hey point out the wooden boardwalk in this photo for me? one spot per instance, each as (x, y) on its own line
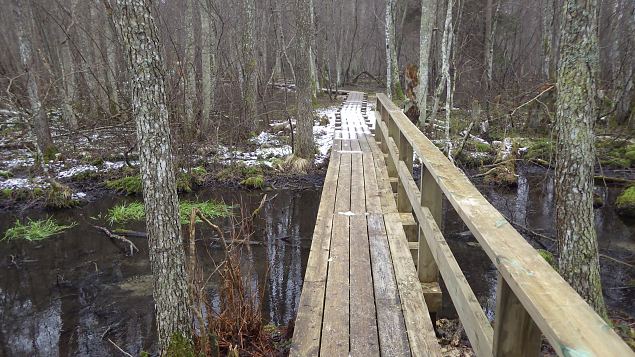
(361, 294)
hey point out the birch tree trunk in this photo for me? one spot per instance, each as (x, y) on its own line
(189, 81)
(39, 121)
(548, 65)
(303, 145)
(315, 81)
(425, 34)
(209, 65)
(576, 111)
(144, 58)
(393, 86)
(446, 48)
(251, 79)
(69, 84)
(111, 68)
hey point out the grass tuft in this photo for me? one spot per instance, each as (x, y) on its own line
(129, 185)
(35, 230)
(134, 211)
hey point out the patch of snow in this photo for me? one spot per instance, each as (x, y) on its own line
(79, 196)
(23, 183)
(77, 170)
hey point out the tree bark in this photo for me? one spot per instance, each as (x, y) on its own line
(189, 80)
(251, 79)
(39, 121)
(315, 81)
(393, 86)
(140, 38)
(303, 143)
(548, 65)
(444, 83)
(68, 78)
(576, 111)
(209, 65)
(425, 35)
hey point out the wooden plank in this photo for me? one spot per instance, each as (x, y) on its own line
(393, 337)
(553, 305)
(515, 332)
(421, 335)
(308, 323)
(363, 324)
(373, 202)
(387, 201)
(335, 325)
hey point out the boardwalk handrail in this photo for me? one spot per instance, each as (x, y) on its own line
(531, 297)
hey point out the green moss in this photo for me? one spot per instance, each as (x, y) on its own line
(129, 185)
(59, 196)
(35, 230)
(548, 256)
(540, 149)
(134, 211)
(616, 162)
(630, 155)
(86, 175)
(180, 346)
(5, 174)
(257, 181)
(7, 193)
(239, 171)
(482, 147)
(49, 154)
(625, 202)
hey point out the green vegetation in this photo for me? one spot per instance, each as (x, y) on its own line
(541, 149)
(129, 185)
(59, 196)
(615, 153)
(35, 230)
(549, 257)
(134, 211)
(240, 172)
(181, 346)
(257, 181)
(625, 203)
(5, 174)
(482, 147)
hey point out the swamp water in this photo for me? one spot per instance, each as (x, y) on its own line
(69, 294)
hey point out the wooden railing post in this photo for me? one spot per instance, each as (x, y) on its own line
(403, 202)
(391, 165)
(515, 333)
(427, 269)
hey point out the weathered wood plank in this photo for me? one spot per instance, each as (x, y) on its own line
(363, 331)
(515, 332)
(421, 336)
(336, 323)
(393, 336)
(308, 323)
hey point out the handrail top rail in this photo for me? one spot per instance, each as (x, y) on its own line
(570, 324)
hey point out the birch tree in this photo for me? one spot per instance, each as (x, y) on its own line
(189, 70)
(67, 69)
(393, 86)
(576, 111)
(548, 25)
(38, 120)
(209, 67)
(303, 146)
(425, 35)
(315, 81)
(250, 68)
(445, 81)
(144, 58)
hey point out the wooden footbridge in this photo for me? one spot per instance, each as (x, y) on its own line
(372, 278)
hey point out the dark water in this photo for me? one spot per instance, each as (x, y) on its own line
(69, 294)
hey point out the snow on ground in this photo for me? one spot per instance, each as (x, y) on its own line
(23, 183)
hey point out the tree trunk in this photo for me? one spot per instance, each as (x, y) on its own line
(209, 66)
(393, 86)
(425, 34)
(444, 83)
(576, 111)
(140, 38)
(189, 69)
(315, 82)
(251, 79)
(548, 65)
(39, 121)
(68, 78)
(303, 143)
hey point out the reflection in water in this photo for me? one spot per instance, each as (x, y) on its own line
(69, 294)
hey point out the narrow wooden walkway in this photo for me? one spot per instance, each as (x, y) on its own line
(361, 294)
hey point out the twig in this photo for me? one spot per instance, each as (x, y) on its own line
(133, 247)
(511, 114)
(630, 266)
(467, 135)
(119, 348)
